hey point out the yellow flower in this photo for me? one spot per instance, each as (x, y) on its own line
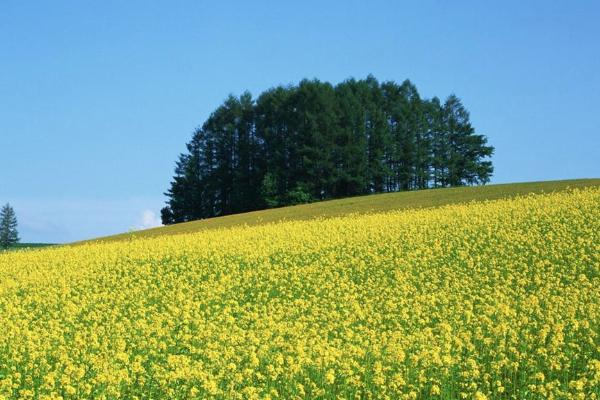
(480, 396)
(385, 305)
(330, 377)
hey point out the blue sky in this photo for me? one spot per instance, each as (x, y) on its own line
(97, 99)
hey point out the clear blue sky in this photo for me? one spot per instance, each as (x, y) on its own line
(97, 99)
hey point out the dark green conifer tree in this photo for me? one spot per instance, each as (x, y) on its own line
(9, 235)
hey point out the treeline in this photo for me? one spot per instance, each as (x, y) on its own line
(316, 141)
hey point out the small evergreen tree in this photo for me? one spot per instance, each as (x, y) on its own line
(166, 216)
(8, 227)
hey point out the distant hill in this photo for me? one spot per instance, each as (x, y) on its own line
(363, 204)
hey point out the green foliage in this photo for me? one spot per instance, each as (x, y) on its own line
(298, 195)
(316, 141)
(8, 227)
(269, 190)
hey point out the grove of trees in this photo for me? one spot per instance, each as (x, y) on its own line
(316, 141)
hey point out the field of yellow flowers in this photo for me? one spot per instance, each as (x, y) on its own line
(487, 300)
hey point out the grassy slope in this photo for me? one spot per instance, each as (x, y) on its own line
(364, 204)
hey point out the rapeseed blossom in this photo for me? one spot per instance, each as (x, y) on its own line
(498, 299)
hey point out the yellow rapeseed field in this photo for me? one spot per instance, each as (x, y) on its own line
(488, 300)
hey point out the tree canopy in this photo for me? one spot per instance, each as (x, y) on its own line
(316, 141)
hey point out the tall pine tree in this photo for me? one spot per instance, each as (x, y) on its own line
(8, 227)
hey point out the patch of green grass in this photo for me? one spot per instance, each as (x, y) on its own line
(364, 204)
(20, 246)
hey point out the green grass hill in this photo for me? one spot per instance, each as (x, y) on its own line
(363, 204)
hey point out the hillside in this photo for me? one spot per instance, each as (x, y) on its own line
(485, 300)
(364, 204)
